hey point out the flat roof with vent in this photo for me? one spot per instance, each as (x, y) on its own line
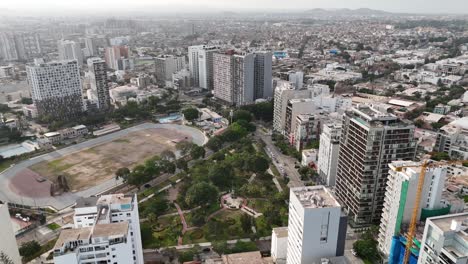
(315, 197)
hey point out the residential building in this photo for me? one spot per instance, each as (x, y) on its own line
(91, 47)
(328, 152)
(297, 79)
(116, 57)
(168, 65)
(7, 71)
(56, 89)
(283, 93)
(370, 140)
(8, 245)
(19, 46)
(441, 109)
(316, 227)
(263, 83)
(201, 65)
(400, 198)
(279, 244)
(181, 79)
(99, 85)
(106, 230)
(296, 107)
(445, 240)
(234, 78)
(453, 139)
(70, 50)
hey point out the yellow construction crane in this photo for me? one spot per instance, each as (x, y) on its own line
(414, 217)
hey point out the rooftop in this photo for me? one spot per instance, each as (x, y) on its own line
(86, 202)
(69, 235)
(111, 230)
(245, 258)
(446, 224)
(315, 197)
(281, 231)
(114, 199)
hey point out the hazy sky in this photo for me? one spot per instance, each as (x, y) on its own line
(419, 6)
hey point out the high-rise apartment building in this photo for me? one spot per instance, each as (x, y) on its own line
(316, 226)
(116, 56)
(400, 198)
(99, 85)
(234, 78)
(168, 65)
(445, 240)
(19, 46)
(91, 47)
(328, 152)
(263, 84)
(370, 140)
(8, 245)
(56, 89)
(201, 65)
(70, 50)
(106, 230)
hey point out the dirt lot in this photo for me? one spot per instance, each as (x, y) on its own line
(95, 165)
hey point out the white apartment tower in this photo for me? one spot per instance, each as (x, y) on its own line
(56, 89)
(70, 50)
(8, 245)
(99, 85)
(107, 230)
(297, 79)
(263, 84)
(445, 240)
(201, 65)
(234, 78)
(19, 46)
(400, 197)
(316, 226)
(283, 93)
(328, 152)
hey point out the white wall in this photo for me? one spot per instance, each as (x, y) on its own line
(8, 242)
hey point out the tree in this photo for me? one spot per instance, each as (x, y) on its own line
(242, 115)
(184, 147)
(181, 164)
(246, 223)
(221, 175)
(215, 143)
(258, 164)
(197, 152)
(440, 156)
(366, 249)
(234, 133)
(157, 206)
(30, 248)
(4, 259)
(122, 173)
(220, 247)
(190, 114)
(167, 155)
(200, 194)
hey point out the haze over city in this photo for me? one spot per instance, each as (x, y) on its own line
(400, 6)
(233, 132)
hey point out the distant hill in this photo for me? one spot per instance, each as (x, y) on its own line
(347, 12)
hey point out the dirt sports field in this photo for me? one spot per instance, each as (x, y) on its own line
(98, 164)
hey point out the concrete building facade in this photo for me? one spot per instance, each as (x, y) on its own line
(8, 245)
(99, 85)
(263, 84)
(106, 230)
(370, 140)
(400, 198)
(201, 65)
(56, 89)
(445, 240)
(316, 227)
(234, 78)
(70, 50)
(328, 152)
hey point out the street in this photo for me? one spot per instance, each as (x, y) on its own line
(283, 163)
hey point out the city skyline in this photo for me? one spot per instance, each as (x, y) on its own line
(186, 6)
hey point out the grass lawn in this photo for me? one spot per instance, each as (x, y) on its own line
(53, 226)
(164, 233)
(5, 164)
